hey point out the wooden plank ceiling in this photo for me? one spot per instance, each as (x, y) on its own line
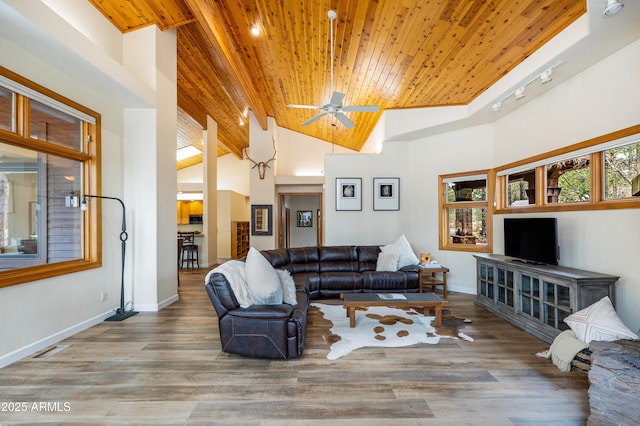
(391, 53)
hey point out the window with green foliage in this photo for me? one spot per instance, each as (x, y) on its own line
(621, 166)
(569, 181)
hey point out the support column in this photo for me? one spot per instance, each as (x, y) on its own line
(262, 191)
(210, 191)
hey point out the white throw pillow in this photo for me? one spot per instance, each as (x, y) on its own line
(599, 322)
(387, 262)
(406, 256)
(262, 280)
(288, 287)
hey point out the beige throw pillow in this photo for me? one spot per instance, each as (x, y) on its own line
(387, 261)
(599, 322)
(406, 256)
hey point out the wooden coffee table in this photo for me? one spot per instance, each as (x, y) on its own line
(410, 300)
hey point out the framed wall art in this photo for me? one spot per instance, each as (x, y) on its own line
(305, 219)
(261, 219)
(386, 193)
(348, 193)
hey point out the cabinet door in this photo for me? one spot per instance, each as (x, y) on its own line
(505, 287)
(486, 280)
(556, 304)
(529, 300)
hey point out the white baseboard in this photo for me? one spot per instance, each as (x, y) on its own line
(35, 347)
(156, 307)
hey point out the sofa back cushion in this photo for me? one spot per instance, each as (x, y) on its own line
(367, 257)
(303, 259)
(338, 259)
(279, 258)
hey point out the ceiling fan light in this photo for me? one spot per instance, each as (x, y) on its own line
(613, 7)
(520, 92)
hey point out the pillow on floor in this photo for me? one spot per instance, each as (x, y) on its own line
(288, 287)
(387, 262)
(406, 256)
(599, 322)
(262, 280)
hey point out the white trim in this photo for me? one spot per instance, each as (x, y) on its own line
(41, 344)
(155, 308)
(465, 178)
(45, 100)
(573, 154)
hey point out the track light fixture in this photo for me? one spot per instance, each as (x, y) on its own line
(544, 76)
(613, 7)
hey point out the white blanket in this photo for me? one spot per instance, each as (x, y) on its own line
(563, 349)
(234, 272)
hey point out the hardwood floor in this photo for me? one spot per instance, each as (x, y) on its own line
(167, 368)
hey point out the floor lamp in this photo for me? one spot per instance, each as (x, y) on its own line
(120, 314)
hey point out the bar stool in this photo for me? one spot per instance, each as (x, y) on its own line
(189, 250)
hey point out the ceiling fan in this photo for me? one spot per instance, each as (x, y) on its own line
(333, 106)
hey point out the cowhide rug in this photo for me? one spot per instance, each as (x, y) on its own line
(384, 327)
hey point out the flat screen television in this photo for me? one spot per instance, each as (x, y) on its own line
(533, 240)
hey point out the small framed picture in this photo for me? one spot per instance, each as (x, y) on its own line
(348, 193)
(261, 219)
(386, 193)
(305, 219)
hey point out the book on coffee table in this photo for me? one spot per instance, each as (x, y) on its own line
(392, 296)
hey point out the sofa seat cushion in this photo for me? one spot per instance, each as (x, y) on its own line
(373, 281)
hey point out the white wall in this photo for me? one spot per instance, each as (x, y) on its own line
(600, 100)
(233, 174)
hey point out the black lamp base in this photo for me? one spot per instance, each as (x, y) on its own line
(120, 316)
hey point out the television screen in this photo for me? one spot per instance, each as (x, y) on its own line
(532, 239)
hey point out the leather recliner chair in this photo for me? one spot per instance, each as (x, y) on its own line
(259, 331)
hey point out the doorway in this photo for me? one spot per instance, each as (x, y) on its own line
(300, 219)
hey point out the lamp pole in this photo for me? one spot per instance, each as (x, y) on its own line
(120, 314)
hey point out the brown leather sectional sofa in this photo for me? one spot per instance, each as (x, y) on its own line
(278, 331)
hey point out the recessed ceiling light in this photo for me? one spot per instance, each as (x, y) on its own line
(186, 152)
(255, 30)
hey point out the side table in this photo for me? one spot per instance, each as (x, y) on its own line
(427, 278)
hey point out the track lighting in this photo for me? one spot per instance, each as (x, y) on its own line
(545, 77)
(613, 7)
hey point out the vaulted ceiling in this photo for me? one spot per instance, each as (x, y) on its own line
(392, 53)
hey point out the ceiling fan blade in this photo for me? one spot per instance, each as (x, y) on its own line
(344, 120)
(312, 119)
(303, 106)
(336, 98)
(362, 108)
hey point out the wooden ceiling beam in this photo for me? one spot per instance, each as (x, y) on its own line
(209, 16)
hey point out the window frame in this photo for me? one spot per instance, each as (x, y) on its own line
(90, 157)
(444, 205)
(595, 149)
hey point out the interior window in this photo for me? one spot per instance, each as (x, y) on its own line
(465, 216)
(6, 109)
(569, 181)
(521, 188)
(621, 166)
